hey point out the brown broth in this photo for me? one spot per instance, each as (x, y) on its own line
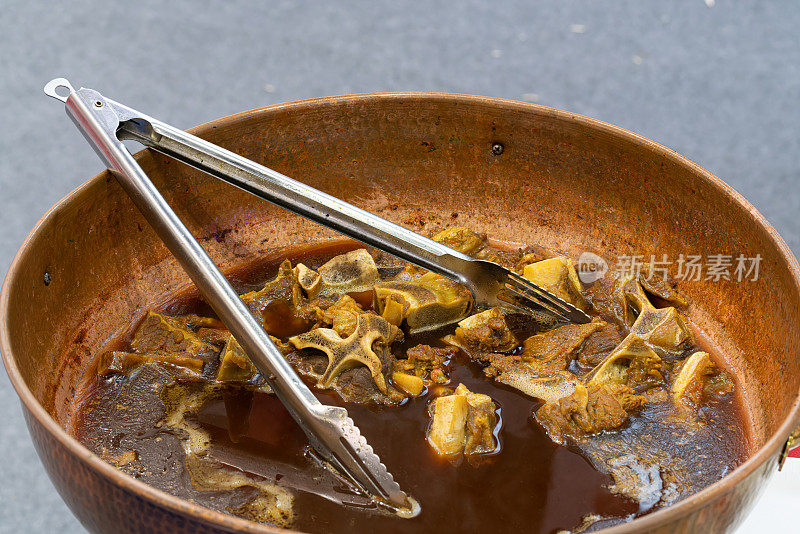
(529, 484)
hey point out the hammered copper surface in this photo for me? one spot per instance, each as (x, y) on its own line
(423, 160)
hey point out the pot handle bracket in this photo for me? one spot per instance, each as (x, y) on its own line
(792, 442)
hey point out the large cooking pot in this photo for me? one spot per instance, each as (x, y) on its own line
(519, 172)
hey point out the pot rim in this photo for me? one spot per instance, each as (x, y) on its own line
(177, 505)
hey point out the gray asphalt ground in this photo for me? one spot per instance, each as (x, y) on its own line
(719, 83)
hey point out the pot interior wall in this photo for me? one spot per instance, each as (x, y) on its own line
(425, 162)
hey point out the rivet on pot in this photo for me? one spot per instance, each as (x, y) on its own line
(47, 278)
(497, 148)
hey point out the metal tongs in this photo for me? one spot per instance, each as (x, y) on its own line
(106, 123)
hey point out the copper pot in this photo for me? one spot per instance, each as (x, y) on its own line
(520, 172)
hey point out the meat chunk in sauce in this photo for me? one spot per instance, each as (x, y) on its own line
(484, 332)
(588, 410)
(659, 284)
(545, 354)
(426, 362)
(557, 275)
(342, 316)
(283, 287)
(461, 239)
(554, 349)
(276, 304)
(462, 422)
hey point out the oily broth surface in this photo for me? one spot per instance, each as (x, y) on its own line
(529, 484)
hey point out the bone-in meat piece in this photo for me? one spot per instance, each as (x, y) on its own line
(342, 316)
(367, 345)
(544, 354)
(448, 428)
(159, 334)
(633, 363)
(481, 422)
(697, 375)
(347, 273)
(309, 279)
(235, 365)
(114, 362)
(461, 239)
(283, 287)
(663, 328)
(429, 302)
